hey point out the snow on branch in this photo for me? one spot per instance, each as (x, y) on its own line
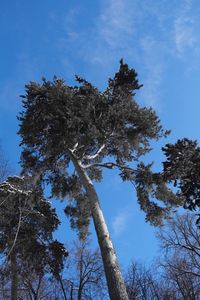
(90, 157)
(74, 148)
(108, 165)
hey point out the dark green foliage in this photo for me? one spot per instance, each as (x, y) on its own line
(125, 78)
(60, 116)
(154, 197)
(55, 257)
(94, 125)
(26, 227)
(182, 168)
(77, 209)
(79, 213)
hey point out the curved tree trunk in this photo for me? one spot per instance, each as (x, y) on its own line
(115, 282)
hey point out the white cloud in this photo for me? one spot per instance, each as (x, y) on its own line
(145, 33)
(123, 31)
(185, 37)
(70, 24)
(152, 54)
(185, 30)
(120, 222)
(116, 22)
(111, 36)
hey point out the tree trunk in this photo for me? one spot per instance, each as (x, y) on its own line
(80, 288)
(80, 293)
(115, 282)
(62, 287)
(71, 291)
(14, 276)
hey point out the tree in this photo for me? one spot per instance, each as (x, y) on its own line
(144, 284)
(26, 227)
(69, 134)
(4, 166)
(182, 168)
(177, 273)
(180, 240)
(140, 283)
(34, 287)
(85, 272)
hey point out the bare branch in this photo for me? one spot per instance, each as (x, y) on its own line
(17, 232)
(3, 201)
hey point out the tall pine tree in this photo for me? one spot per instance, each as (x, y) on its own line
(70, 133)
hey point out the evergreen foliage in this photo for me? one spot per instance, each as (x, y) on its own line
(182, 168)
(70, 133)
(103, 129)
(26, 227)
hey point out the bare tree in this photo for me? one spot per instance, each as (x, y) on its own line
(31, 285)
(82, 278)
(176, 275)
(87, 279)
(180, 239)
(146, 284)
(5, 169)
(141, 284)
(40, 287)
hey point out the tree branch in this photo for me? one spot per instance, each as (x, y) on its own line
(108, 165)
(17, 232)
(89, 157)
(74, 148)
(4, 201)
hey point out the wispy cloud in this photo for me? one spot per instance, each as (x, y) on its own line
(120, 222)
(114, 33)
(116, 22)
(147, 34)
(152, 53)
(122, 30)
(185, 34)
(70, 25)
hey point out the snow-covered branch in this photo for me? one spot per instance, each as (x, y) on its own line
(74, 148)
(108, 165)
(90, 157)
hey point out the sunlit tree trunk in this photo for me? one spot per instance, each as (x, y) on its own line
(115, 282)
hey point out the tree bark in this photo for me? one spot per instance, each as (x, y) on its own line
(14, 276)
(115, 282)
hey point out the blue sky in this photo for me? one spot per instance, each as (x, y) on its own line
(159, 38)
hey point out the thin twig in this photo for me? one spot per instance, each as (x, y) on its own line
(3, 201)
(17, 232)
